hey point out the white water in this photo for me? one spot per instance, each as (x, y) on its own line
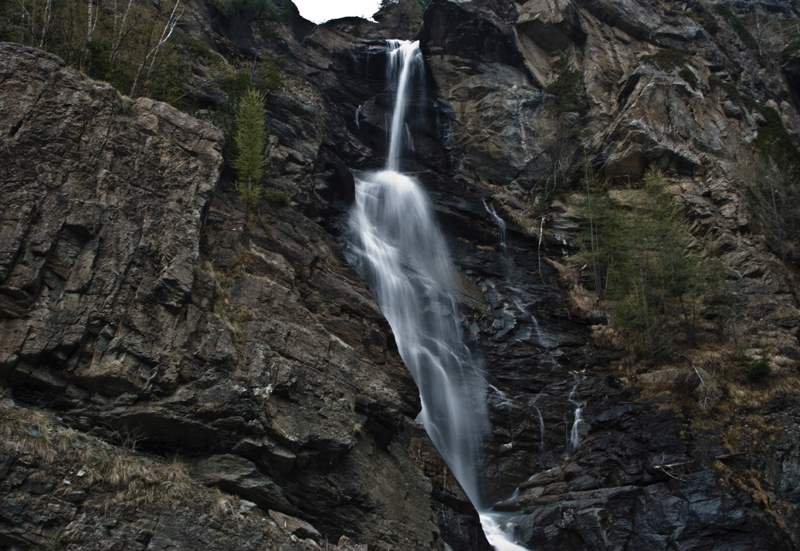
(541, 430)
(542, 341)
(358, 116)
(399, 250)
(573, 435)
(498, 528)
(501, 224)
(405, 62)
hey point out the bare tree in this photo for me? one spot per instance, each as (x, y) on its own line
(91, 25)
(119, 34)
(48, 14)
(151, 55)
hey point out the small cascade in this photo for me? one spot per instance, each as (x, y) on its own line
(410, 140)
(541, 430)
(501, 224)
(405, 62)
(358, 116)
(573, 435)
(542, 342)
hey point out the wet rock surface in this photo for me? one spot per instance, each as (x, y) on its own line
(259, 346)
(660, 492)
(635, 465)
(137, 300)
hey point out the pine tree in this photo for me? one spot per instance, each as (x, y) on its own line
(250, 138)
(650, 274)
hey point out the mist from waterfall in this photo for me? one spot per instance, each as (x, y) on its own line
(399, 249)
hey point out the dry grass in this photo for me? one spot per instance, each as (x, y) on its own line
(222, 306)
(85, 463)
(114, 477)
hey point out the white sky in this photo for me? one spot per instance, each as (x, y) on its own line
(320, 11)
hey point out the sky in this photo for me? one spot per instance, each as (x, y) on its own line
(320, 11)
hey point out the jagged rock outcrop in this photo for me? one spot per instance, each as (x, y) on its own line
(259, 342)
(640, 113)
(136, 299)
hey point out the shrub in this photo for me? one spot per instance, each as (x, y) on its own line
(649, 273)
(773, 140)
(253, 10)
(689, 76)
(737, 25)
(126, 41)
(567, 88)
(775, 198)
(758, 371)
(730, 90)
(666, 60)
(790, 51)
(277, 196)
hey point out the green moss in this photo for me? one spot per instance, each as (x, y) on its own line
(689, 76)
(738, 26)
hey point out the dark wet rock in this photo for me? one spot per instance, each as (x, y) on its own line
(235, 475)
(299, 528)
(455, 30)
(138, 302)
(270, 348)
(658, 492)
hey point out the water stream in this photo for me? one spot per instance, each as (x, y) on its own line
(501, 224)
(398, 248)
(573, 434)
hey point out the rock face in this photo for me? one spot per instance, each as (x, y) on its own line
(141, 304)
(663, 492)
(268, 348)
(634, 467)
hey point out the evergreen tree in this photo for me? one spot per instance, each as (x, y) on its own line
(250, 138)
(650, 274)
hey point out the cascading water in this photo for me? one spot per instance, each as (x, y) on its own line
(399, 250)
(541, 430)
(573, 434)
(501, 224)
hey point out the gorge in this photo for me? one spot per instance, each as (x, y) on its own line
(180, 373)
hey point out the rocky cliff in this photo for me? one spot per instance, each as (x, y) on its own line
(155, 325)
(156, 342)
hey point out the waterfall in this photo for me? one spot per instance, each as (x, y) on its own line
(542, 342)
(573, 435)
(398, 248)
(541, 430)
(358, 116)
(405, 62)
(501, 224)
